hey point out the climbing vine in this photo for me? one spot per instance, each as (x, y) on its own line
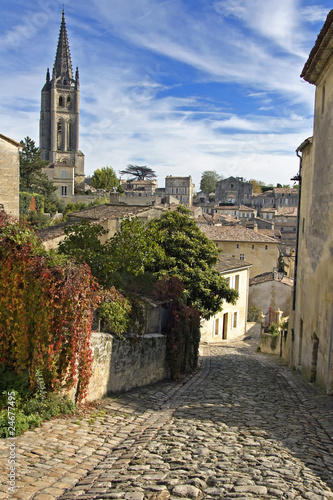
(46, 311)
(183, 330)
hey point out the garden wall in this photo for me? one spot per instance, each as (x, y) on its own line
(119, 365)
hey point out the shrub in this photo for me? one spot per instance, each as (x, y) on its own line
(31, 202)
(254, 314)
(31, 411)
(273, 329)
(114, 312)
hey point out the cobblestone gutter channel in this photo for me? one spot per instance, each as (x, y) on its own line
(244, 426)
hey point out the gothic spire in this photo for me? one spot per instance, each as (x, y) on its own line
(63, 63)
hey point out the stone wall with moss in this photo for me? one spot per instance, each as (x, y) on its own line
(120, 365)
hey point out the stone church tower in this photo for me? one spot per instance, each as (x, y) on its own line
(59, 121)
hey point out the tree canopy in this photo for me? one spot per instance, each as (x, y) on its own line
(209, 179)
(170, 247)
(190, 256)
(105, 178)
(32, 176)
(138, 173)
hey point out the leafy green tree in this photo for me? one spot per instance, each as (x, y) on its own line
(32, 176)
(209, 179)
(189, 256)
(82, 242)
(105, 178)
(172, 246)
(138, 173)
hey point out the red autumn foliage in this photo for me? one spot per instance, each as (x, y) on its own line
(46, 311)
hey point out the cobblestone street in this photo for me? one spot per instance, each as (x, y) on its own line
(244, 426)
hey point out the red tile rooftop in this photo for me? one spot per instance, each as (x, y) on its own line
(235, 233)
(287, 211)
(226, 264)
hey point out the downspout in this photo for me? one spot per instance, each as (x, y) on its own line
(298, 178)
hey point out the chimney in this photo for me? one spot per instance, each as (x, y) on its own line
(255, 227)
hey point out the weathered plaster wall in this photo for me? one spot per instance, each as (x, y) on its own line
(120, 366)
(262, 260)
(313, 328)
(272, 293)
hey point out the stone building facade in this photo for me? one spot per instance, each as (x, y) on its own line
(276, 198)
(233, 190)
(310, 339)
(181, 188)
(9, 175)
(59, 121)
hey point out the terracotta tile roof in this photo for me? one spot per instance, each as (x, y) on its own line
(272, 233)
(103, 212)
(235, 233)
(266, 277)
(246, 209)
(217, 206)
(287, 211)
(268, 209)
(204, 219)
(288, 224)
(225, 219)
(52, 232)
(285, 191)
(94, 214)
(226, 264)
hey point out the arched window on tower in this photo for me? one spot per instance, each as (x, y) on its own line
(59, 136)
(69, 135)
(68, 102)
(61, 101)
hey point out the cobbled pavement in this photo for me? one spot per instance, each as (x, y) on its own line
(243, 426)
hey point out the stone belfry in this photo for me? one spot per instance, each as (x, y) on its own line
(59, 119)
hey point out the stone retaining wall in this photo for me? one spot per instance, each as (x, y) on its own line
(120, 365)
(270, 344)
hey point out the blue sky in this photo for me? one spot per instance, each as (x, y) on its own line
(183, 86)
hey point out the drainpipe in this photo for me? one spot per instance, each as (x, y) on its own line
(298, 178)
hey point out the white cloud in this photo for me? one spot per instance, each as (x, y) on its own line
(129, 113)
(314, 13)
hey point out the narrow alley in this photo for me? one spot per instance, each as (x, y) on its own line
(244, 426)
